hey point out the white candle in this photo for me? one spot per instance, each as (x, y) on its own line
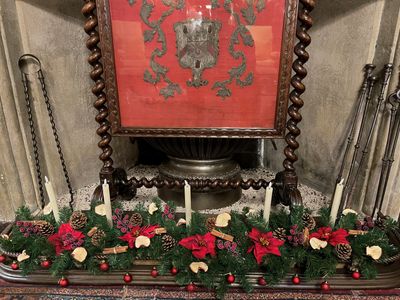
(188, 203)
(107, 202)
(336, 201)
(52, 198)
(267, 202)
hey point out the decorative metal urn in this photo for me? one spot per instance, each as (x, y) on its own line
(200, 158)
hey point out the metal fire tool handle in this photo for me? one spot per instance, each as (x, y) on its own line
(22, 60)
(388, 158)
(368, 69)
(388, 69)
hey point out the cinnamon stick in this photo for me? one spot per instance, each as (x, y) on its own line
(221, 235)
(115, 250)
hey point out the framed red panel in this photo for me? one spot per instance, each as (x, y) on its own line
(176, 68)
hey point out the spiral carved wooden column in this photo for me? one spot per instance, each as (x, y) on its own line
(286, 181)
(116, 177)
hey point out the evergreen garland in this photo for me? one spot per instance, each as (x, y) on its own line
(235, 257)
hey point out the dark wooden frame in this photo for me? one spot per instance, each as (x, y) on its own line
(106, 42)
(285, 182)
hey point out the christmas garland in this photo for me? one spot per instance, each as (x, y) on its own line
(211, 251)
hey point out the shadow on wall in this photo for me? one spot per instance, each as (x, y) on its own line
(66, 9)
(337, 9)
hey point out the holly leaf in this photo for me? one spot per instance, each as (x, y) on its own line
(132, 2)
(148, 35)
(260, 5)
(248, 14)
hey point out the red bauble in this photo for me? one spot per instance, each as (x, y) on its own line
(128, 278)
(325, 286)
(174, 271)
(154, 272)
(63, 282)
(14, 266)
(262, 281)
(230, 278)
(45, 264)
(190, 287)
(2, 258)
(104, 266)
(356, 275)
(296, 279)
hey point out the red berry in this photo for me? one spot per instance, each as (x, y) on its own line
(63, 282)
(325, 286)
(296, 279)
(104, 266)
(230, 278)
(154, 272)
(356, 275)
(45, 264)
(2, 258)
(174, 271)
(14, 266)
(128, 278)
(190, 287)
(262, 281)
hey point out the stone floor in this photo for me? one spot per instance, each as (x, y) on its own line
(250, 198)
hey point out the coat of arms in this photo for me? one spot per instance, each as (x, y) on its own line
(197, 47)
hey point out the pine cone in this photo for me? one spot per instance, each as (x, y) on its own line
(98, 237)
(168, 242)
(343, 251)
(45, 229)
(308, 221)
(280, 234)
(136, 219)
(78, 220)
(210, 223)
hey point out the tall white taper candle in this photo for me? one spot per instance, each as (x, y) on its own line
(188, 203)
(336, 201)
(52, 198)
(267, 203)
(107, 202)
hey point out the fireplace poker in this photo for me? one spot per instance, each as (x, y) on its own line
(371, 83)
(388, 158)
(360, 107)
(388, 69)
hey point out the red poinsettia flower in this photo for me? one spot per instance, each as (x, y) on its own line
(332, 237)
(66, 238)
(200, 245)
(136, 231)
(264, 243)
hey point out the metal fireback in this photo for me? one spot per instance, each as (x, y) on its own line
(197, 43)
